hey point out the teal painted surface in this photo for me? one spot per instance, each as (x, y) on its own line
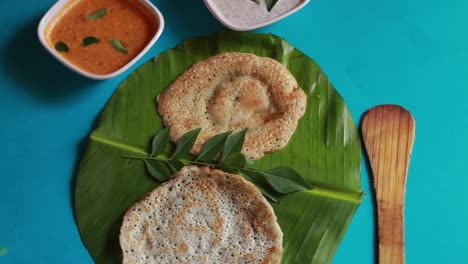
(411, 53)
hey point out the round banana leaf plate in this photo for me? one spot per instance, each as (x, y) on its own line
(325, 149)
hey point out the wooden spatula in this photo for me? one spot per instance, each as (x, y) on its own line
(388, 133)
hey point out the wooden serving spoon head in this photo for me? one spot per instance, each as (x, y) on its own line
(388, 133)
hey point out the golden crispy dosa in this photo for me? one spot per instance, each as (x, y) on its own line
(201, 215)
(232, 91)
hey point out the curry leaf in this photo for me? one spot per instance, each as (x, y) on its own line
(270, 4)
(285, 180)
(174, 165)
(97, 14)
(160, 141)
(118, 46)
(212, 147)
(90, 40)
(234, 143)
(251, 177)
(291, 174)
(61, 47)
(185, 144)
(236, 160)
(157, 169)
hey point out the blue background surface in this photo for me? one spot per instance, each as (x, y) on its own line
(407, 52)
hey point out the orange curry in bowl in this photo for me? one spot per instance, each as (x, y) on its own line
(101, 36)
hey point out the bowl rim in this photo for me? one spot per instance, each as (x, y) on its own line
(219, 16)
(51, 13)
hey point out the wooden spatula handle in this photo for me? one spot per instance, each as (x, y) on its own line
(388, 133)
(391, 234)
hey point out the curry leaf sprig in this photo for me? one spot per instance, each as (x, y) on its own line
(222, 151)
(268, 3)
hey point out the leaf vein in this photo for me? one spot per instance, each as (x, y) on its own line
(96, 136)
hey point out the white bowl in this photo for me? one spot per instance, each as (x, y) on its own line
(41, 32)
(222, 16)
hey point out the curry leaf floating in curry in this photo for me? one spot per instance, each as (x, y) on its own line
(97, 14)
(118, 46)
(61, 47)
(90, 40)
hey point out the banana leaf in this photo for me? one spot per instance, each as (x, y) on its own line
(325, 149)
